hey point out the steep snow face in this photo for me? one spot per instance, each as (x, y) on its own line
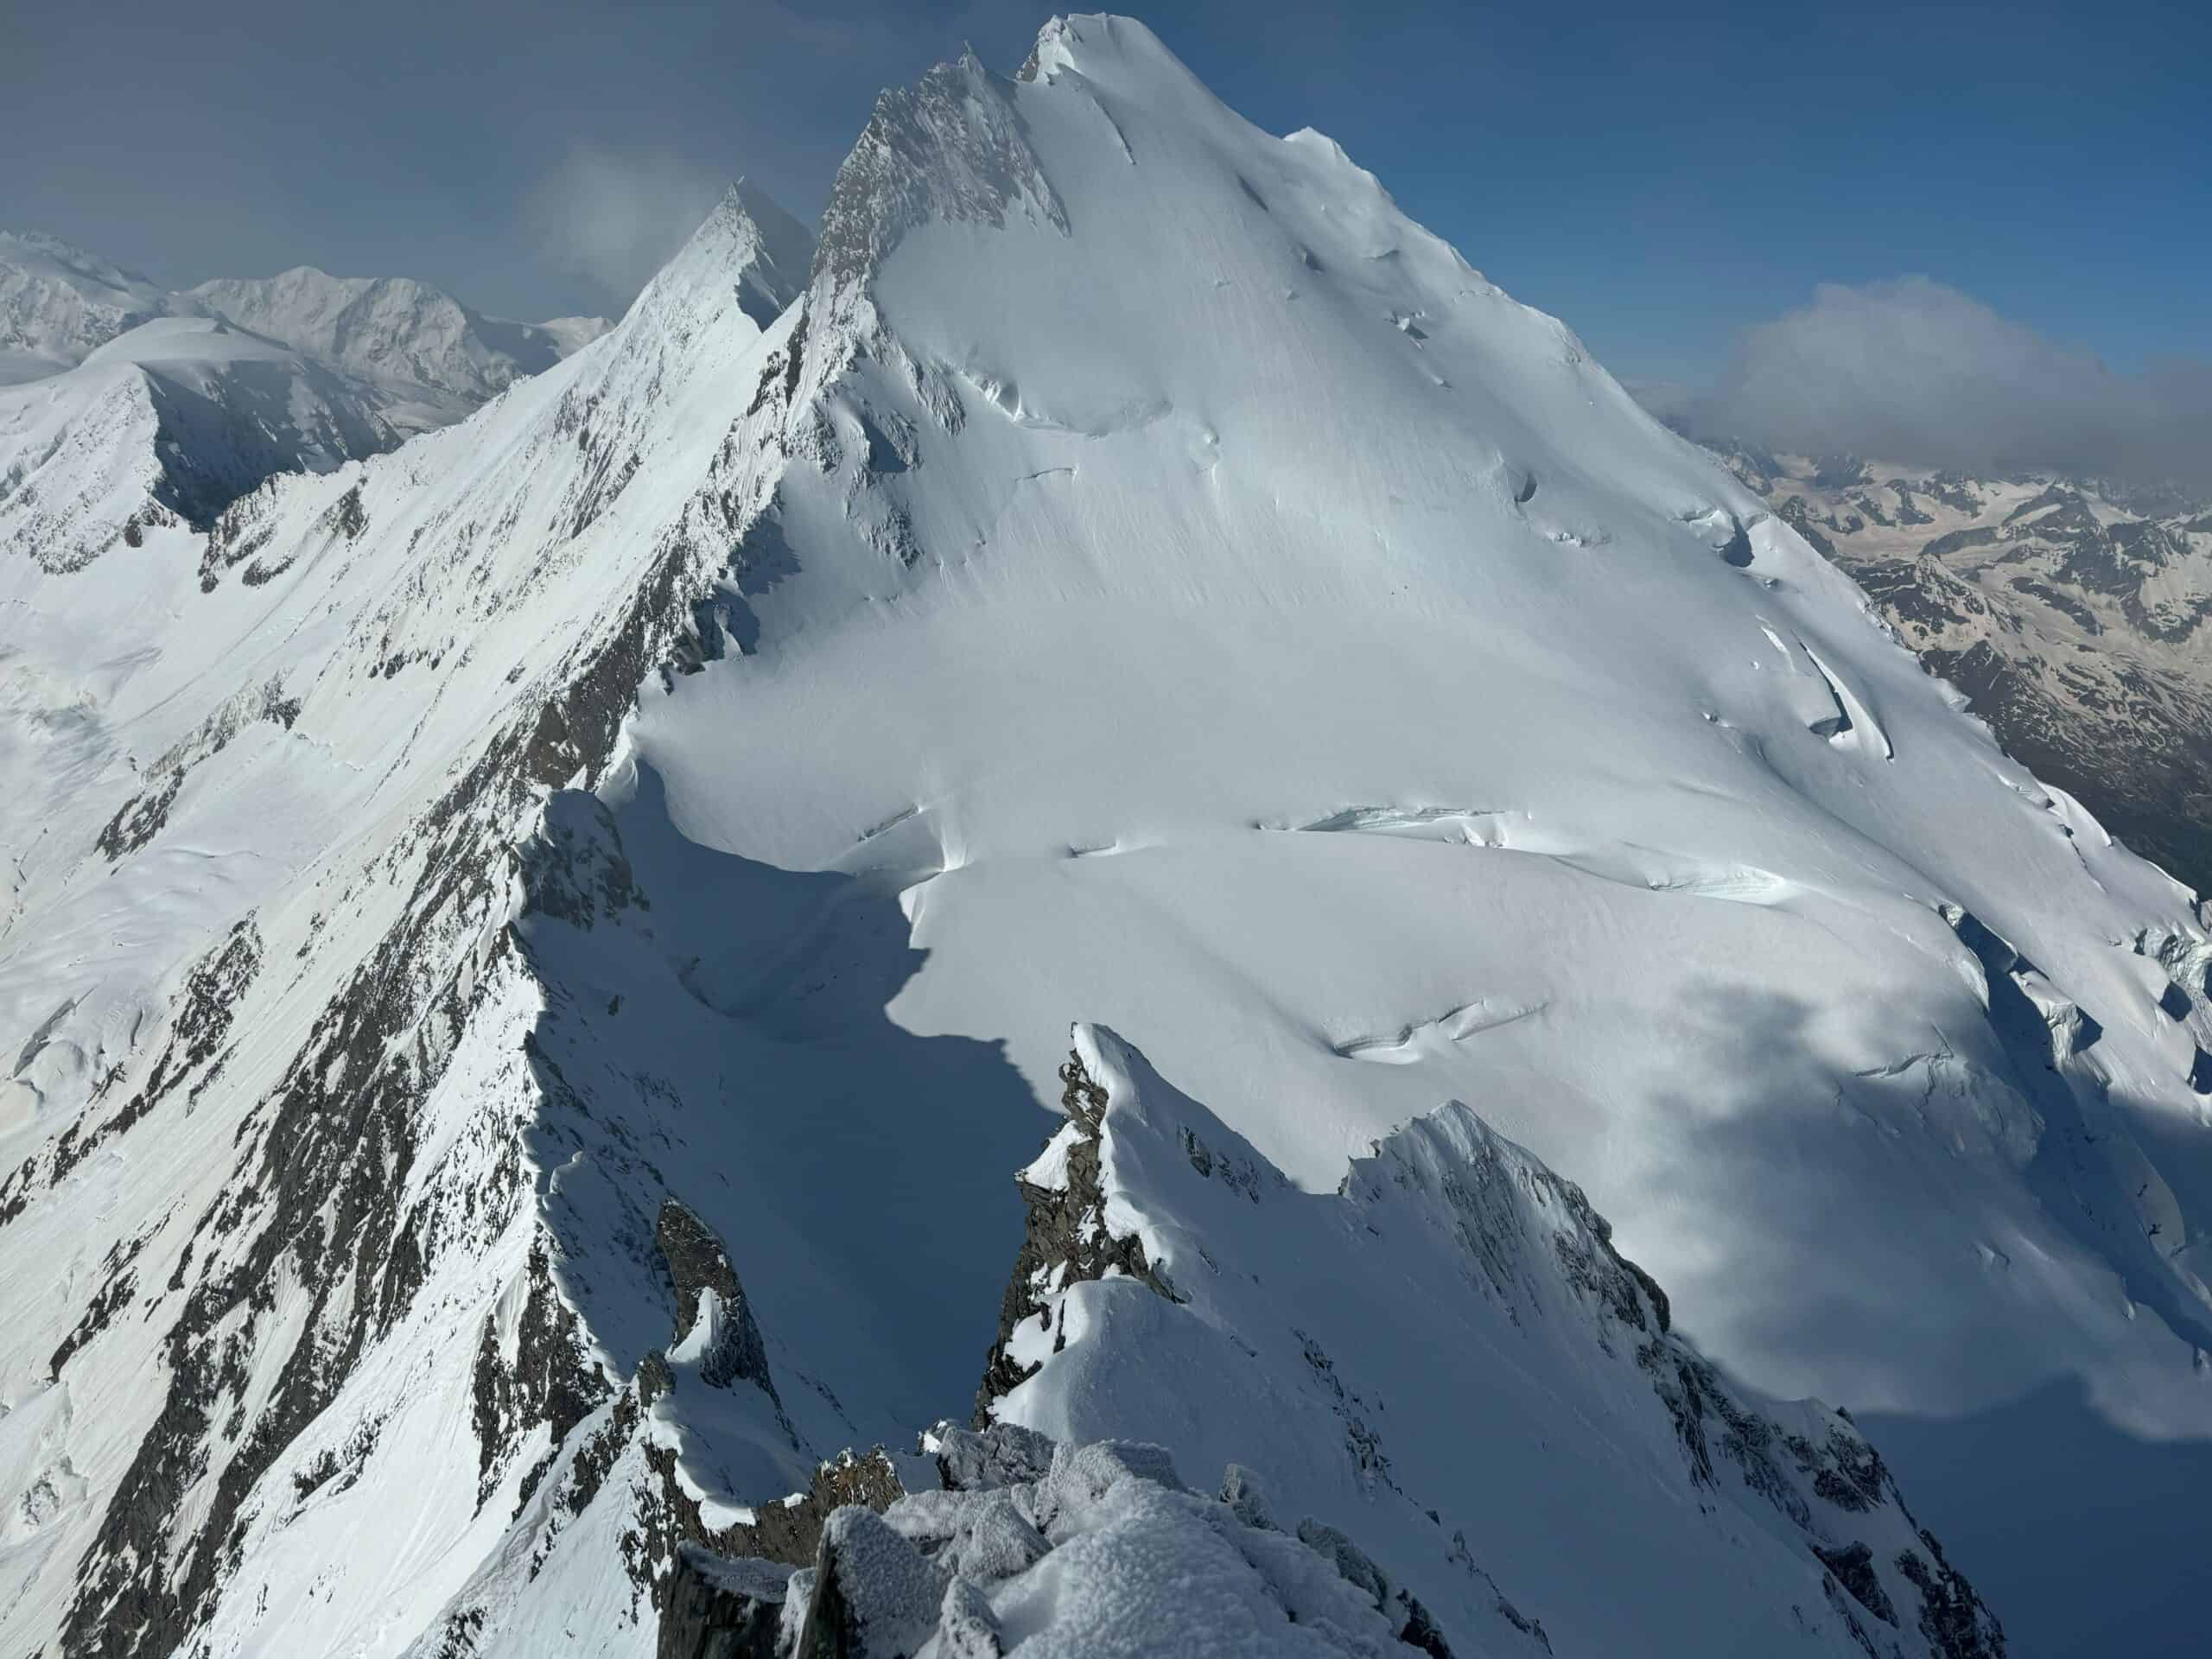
(432, 357)
(58, 303)
(1263, 632)
(1142, 576)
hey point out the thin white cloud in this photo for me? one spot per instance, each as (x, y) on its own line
(1913, 371)
(614, 218)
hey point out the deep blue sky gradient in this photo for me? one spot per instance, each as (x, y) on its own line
(1657, 176)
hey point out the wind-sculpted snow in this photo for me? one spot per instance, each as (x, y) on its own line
(1036, 1548)
(691, 781)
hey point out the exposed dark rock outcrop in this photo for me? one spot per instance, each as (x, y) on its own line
(1065, 1241)
(550, 1379)
(1853, 1567)
(700, 1270)
(1416, 1627)
(192, 1052)
(718, 1608)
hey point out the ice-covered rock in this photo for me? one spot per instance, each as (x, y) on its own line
(1105, 1551)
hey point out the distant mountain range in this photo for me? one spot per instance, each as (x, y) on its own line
(2075, 613)
(121, 403)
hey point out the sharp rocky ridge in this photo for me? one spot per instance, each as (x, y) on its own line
(528, 959)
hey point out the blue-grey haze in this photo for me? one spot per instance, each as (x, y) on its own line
(1658, 175)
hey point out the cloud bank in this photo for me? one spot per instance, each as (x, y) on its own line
(614, 219)
(1914, 372)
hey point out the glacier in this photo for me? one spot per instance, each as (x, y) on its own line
(1122, 572)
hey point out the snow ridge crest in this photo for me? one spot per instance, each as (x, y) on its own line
(1465, 1284)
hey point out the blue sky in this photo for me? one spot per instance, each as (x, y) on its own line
(1659, 176)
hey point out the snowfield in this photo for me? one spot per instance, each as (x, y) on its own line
(531, 961)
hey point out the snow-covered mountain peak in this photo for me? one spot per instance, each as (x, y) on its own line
(785, 248)
(175, 417)
(57, 302)
(500, 895)
(1101, 44)
(749, 246)
(137, 405)
(183, 341)
(87, 273)
(433, 358)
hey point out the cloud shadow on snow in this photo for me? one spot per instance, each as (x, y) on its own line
(728, 1044)
(2085, 1539)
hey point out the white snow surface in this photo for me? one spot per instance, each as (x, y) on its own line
(1156, 583)
(434, 359)
(238, 381)
(179, 415)
(1448, 1324)
(58, 303)
(1101, 1550)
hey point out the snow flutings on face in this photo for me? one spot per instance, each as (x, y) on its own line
(1911, 369)
(615, 217)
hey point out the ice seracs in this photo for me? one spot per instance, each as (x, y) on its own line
(2069, 610)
